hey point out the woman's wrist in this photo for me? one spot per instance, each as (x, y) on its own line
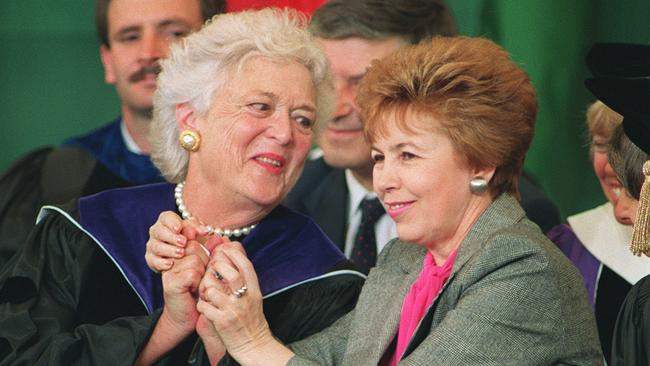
(164, 337)
(174, 328)
(266, 351)
(214, 348)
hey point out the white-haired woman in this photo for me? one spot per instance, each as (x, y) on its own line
(234, 112)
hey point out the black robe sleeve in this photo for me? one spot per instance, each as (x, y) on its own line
(63, 303)
(631, 340)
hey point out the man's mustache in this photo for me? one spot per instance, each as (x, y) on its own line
(143, 72)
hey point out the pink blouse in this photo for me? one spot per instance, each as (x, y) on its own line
(417, 300)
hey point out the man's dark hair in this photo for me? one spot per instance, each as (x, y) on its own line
(410, 20)
(209, 8)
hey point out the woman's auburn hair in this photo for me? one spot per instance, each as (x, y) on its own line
(476, 94)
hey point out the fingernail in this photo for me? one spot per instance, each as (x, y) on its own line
(180, 239)
(180, 251)
(168, 264)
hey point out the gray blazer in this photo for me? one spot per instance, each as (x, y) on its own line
(512, 299)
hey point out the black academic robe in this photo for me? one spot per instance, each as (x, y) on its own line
(84, 165)
(74, 295)
(631, 343)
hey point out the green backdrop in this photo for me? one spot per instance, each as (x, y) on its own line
(51, 79)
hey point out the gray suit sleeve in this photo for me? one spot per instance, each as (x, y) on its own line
(324, 348)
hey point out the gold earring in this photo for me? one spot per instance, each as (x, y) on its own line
(189, 140)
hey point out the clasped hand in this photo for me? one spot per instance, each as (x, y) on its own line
(209, 285)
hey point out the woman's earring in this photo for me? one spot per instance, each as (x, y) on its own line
(478, 185)
(189, 140)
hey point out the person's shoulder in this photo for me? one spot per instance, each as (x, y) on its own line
(29, 159)
(539, 208)
(504, 223)
(507, 238)
(522, 247)
(561, 232)
(317, 167)
(68, 212)
(640, 295)
(522, 237)
(94, 136)
(46, 175)
(58, 230)
(314, 174)
(24, 174)
(635, 310)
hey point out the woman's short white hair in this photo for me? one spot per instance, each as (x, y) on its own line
(199, 65)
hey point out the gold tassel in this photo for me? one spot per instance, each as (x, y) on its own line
(641, 232)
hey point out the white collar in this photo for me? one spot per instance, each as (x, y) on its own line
(128, 139)
(357, 191)
(609, 241)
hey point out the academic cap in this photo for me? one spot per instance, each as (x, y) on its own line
(622, 81)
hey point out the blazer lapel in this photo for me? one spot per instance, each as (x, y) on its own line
(375, 328)
(503, 212)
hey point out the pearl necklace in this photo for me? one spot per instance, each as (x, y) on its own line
(178, 194)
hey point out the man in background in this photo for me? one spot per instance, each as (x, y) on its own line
(135, 35)
(336, 188)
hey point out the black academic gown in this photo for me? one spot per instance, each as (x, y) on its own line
(631, 343)
(71, 296)
(84, 165)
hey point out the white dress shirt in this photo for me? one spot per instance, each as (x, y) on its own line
(128, 139)
(385, 229)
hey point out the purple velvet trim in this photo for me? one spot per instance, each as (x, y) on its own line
(572, 247)
(107, 145)
(285, 248)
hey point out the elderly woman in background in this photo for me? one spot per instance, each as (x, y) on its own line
(597, 241)
(470, 280)
(242, 96)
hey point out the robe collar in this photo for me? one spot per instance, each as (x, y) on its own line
(107, 145)
(286, 248)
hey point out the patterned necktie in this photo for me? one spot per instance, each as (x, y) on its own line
(364, 249)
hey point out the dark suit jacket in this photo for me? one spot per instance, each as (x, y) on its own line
(322, 194)
(512, 299)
